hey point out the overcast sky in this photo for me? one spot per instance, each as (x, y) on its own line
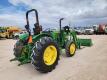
(75, 12)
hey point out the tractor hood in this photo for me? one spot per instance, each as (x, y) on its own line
(24, 37)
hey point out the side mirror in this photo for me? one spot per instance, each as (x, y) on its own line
(27, 27)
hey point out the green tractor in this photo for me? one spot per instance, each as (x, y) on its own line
(44, 47)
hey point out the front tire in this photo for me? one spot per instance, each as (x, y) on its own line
(45, 55)
(70, 48)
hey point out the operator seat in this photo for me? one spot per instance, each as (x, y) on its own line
(37, 29)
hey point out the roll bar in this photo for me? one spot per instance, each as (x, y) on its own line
(36, 13)
(27, 20)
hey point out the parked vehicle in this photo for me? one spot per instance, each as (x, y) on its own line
(106, 29)
(7, 32)
(89, 31)
(79, 31)
(99, 29)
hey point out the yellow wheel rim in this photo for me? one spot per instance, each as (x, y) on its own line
(72, 48)
(50, 55)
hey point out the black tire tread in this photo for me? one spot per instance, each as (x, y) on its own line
(17, 50)
(37, 55)
(69, 42)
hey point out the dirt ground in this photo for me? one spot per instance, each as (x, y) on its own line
(89, 63)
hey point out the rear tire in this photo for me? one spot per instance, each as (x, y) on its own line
(18, 49)
(38, 58)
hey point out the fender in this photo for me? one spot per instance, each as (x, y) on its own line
(37, 37)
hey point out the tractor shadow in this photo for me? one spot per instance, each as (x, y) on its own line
(82, 47)
(2, 38)
(30, 69)
(63, 52)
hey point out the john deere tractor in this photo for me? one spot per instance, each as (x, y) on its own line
(43, 48)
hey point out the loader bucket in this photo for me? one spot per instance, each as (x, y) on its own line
(85, 42)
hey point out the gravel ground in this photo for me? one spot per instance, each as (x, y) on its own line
(89, 63)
